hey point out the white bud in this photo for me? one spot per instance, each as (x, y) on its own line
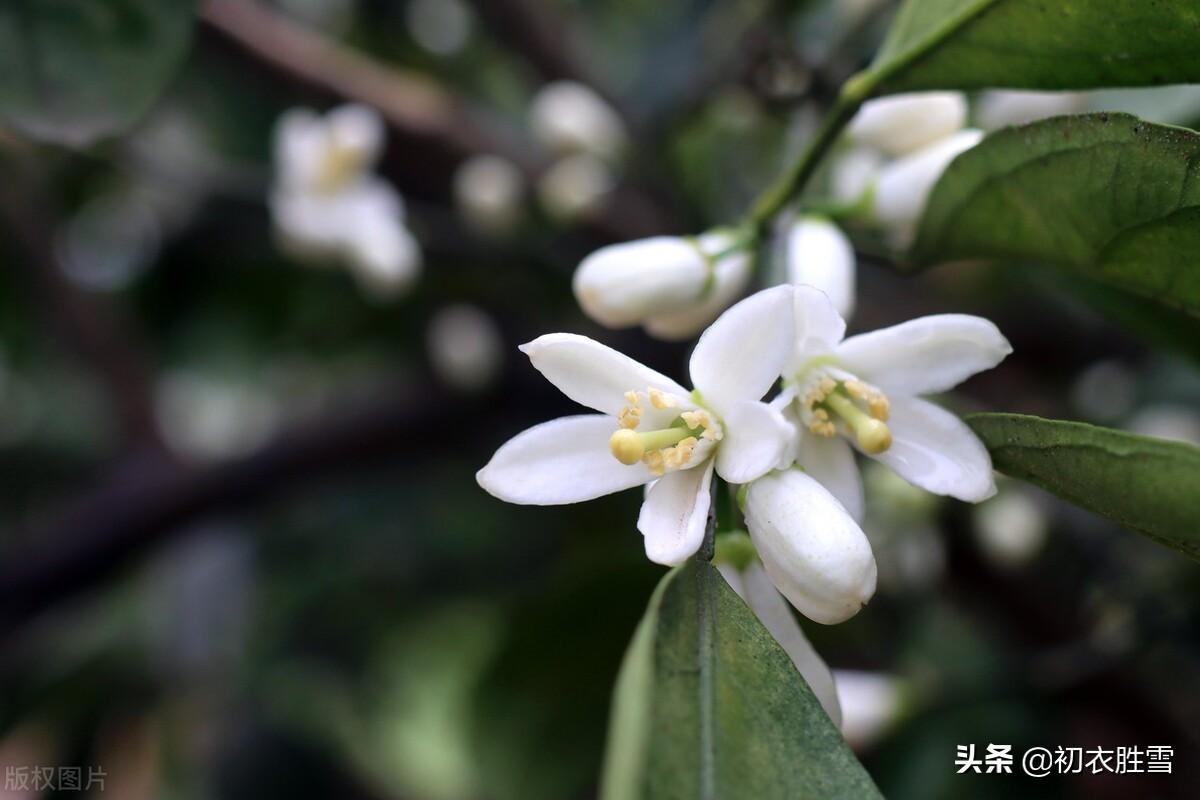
(903, 123)
(622, 284)
(903, 186)
(465, 347)
(731, 274)
(1178, 423)
(820, 255)
(1010, 527)
(812, 549)
(488, 192)
(854, 173)
(569, 117)
(575, 186)
(753, 586)
(439, 26)
(871, 703)
(996, 109)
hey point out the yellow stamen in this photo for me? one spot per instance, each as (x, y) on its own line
(873, 435)
(660, 399)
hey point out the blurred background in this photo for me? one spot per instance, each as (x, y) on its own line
(244, 554)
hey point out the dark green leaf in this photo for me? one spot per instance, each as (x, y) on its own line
(1035, 44)
(72, 71)
(1149, 485)
(709, 706)
(1108, 195)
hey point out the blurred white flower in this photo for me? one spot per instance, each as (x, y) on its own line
(900, 523)
(652, 429)
(440, 26)
(464, 347)
(673, 285)
(1104, 390)
(110, 241)
(204, 418)
(1168, 421)
(327, 204)
(903, 186)
(872, 702)
(575, 186)
(568, 117)
(488, 191)
(853, 174)
(820, 255)
(998, 108)
(904, 123)
(1011, 528)
(752, 585)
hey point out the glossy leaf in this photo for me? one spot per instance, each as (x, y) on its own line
(1108, 195)
(707, 705)
(1149, 485)
(1034, 44)
(78, 70)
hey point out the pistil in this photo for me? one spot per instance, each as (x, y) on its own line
(873, 435)
(628, 446)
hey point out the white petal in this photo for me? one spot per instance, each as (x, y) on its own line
(925, 355)
(621, 284)
(996, 109)
(358, 131)
(903, 186)
(935, 450)
(820, 255)
(675, 514)
(299, 147)
(830, 460)
(730, 276)
(591, 374)
(756, 437)
(902, 123)
(742, 354)
(773, 612)
(819, 327)
(812, 549)
(566, 460)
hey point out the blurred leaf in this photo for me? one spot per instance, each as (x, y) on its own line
(1149, 485)
(1033, 44)
(1105, 194)
(708, 705)
(77, 70)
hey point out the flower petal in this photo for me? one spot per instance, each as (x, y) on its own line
(819, 327)
(592, 374)
(675, 514)
(820, 255)
(811, 548)
(935, 450)
(925, 355)
(742, 354)
(831, 462)
(566, 460)
(772, 611)
(756, 437)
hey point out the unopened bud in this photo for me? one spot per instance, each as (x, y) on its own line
(488, 192)
(820, 255)
(620, 285)
(903, 123)
(569, 117)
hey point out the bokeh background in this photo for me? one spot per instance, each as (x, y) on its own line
(244, 554)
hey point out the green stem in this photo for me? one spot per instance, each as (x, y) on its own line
(792, 183)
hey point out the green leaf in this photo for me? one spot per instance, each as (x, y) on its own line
(1035, 44)
(1149, 485)
(1108, 195)
(707, 705)
(77, 70)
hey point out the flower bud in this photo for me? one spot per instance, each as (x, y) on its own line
(812, 549)
(575, 186)
(903, 123)
(903, 186)
(996, 109)
(820, 255)
(620, 285)
(872, 703)
(488, 192)
(465, 347)
(568, 117)
(730, 275)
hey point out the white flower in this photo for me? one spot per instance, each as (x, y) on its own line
(820, 255)
(864, 391)
(998, 108)
(903, 186)
(464, 347)
(872, 702)
(754, 586)
(568, 117)
(488, 192)
(575, 186)
(652, 428)
(904, 123)
(326, 204)
(672, 285)
(440, 26)
(1011, 528)
(810, 546)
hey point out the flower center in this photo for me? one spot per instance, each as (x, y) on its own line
(858, 406)
(340, 164)
(670, 448)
